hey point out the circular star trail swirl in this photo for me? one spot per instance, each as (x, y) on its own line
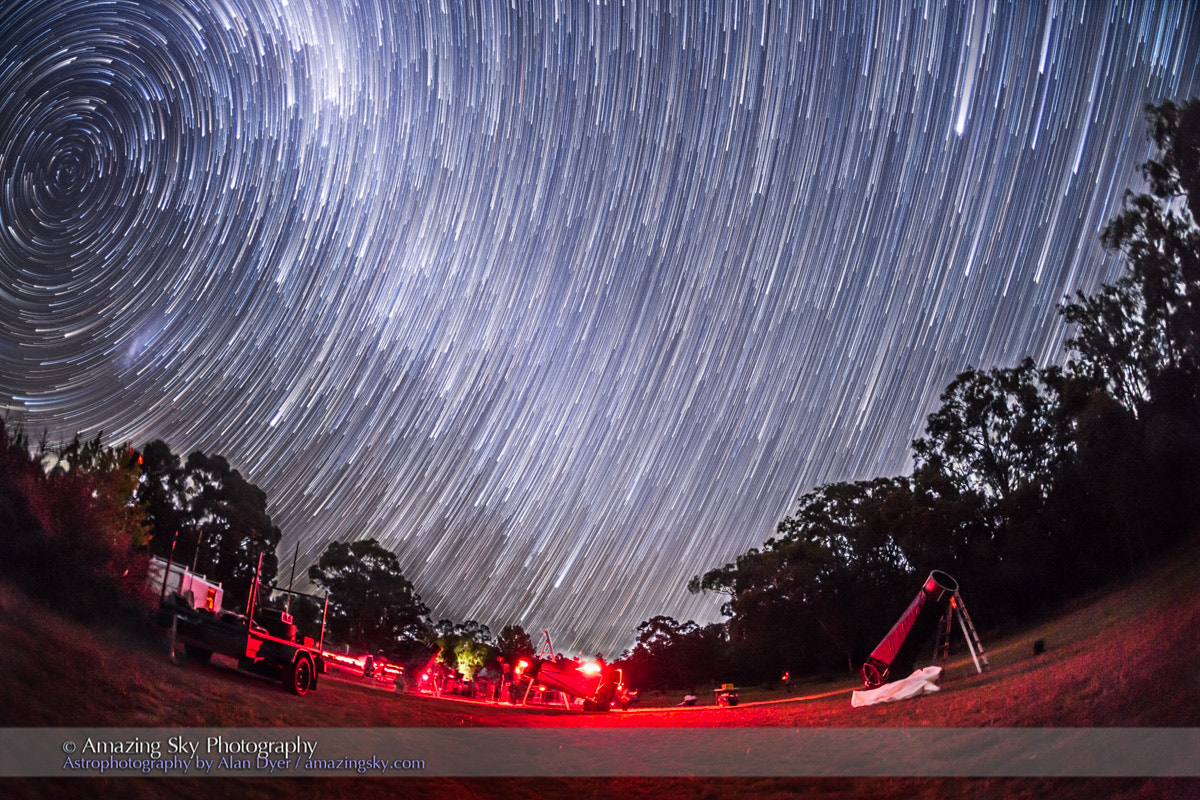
(564, 303)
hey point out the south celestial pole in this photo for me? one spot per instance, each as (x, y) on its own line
(564, 303)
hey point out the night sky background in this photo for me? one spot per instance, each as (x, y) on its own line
(563, 303)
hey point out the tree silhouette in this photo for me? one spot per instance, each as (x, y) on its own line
(514, 643)
(70, 529)
(1140, 337)
(1029, 483)
(210, 517)
(997, 432)
(372, 606)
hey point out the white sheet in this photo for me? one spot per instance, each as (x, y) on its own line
(920, 682)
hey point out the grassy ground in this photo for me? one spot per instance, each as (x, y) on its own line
(1127, 658)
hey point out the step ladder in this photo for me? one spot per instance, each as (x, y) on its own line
(958, 610)
(546, 651)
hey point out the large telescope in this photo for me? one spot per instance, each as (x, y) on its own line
(897, 652)
(595, 683)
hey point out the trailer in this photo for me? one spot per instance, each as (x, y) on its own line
(264, 641)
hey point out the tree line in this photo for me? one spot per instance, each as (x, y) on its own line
(1031, 484)
(80, 521)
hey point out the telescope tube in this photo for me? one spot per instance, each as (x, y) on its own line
(897, 652)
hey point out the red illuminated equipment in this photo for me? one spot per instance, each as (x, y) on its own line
(726, 695)
(593, 682)
(264, 642)
(939, 599)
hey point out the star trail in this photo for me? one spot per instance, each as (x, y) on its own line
(563, 303)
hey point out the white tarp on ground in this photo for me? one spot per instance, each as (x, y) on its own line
(920, 682)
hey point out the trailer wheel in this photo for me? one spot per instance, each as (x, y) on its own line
(303, 676)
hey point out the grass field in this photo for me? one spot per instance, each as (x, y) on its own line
(1129, 657)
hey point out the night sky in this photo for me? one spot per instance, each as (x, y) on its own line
(562, 303)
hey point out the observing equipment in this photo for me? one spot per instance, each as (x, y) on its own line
(593, 682)
(938, 601)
